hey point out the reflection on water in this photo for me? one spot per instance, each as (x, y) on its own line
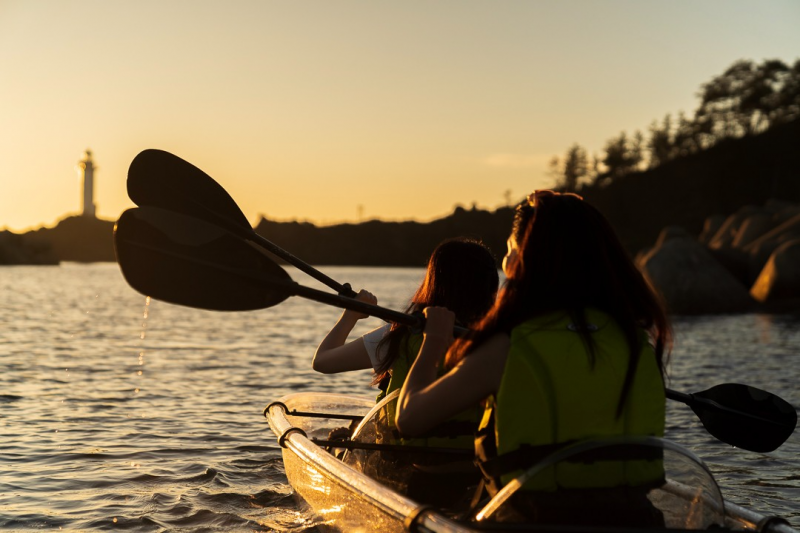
(93, 438)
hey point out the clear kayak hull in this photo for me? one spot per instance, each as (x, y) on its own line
(346, 495)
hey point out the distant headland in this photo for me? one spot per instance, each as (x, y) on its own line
(82, 237)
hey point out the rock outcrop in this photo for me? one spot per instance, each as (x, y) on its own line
(747, 261)
(17, 250)
(77, 238)
(690, 279)
(779, 281)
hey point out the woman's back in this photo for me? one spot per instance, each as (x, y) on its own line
(556, 391)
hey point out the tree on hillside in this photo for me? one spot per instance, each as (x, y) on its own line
(622, 156)
(746, 99)
(743, 99)
(568, 173)
(787, 98)
(659, 146)
(689, 137)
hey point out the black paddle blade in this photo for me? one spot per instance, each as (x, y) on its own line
(187, 261)
(159, 179)
(745, 417)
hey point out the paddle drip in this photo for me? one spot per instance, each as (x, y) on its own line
(142, 335)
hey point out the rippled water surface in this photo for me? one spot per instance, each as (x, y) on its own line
(122, 414)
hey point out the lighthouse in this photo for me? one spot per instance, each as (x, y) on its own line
(87, 168)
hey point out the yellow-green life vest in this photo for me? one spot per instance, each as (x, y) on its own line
(458, 432)
(551, 394)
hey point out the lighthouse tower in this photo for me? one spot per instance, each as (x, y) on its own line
(87, 168)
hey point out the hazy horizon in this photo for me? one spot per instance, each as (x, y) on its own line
(329, 112)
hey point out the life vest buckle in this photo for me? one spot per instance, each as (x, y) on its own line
(589, 327)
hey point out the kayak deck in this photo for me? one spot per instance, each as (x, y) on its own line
(345, 499)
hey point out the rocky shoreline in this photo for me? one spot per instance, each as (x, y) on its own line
(748, 261)
(18, 250)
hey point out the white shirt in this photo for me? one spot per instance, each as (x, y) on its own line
(371, 341)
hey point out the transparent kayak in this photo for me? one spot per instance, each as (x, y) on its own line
(359, 486)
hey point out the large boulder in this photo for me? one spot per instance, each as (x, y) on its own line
(779, 281)
(761, 249)
(740, 229)
(711, 226)
(783, 211)
(753, 227)
(736, 262)
(729, 230)
(691, 280)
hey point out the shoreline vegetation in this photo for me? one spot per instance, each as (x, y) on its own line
(705, 204)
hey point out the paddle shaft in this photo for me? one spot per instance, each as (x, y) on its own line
(332, 416)
(344, 302)
(293, 288)
(250, 234)
(688, 399)
(387, 315)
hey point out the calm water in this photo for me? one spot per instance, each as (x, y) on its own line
(120, 414)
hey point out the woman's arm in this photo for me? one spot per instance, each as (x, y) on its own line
(333, 355)
(426, 401)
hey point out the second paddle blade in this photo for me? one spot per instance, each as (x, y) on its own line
(160, 179)
(186, 261)
(751, 418)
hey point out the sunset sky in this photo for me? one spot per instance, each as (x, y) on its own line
(327, 110)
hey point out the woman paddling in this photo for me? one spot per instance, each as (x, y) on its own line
(461, 275)
(564, 355)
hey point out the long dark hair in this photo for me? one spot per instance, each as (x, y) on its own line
(569, 259)
(461, 276)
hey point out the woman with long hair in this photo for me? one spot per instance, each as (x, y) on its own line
(574, 348)
(461, 275)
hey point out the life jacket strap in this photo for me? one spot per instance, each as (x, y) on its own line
(526, 456)
(522, 458)
(448, 429)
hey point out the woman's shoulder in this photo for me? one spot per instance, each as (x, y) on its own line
(372, 340)
(376, 334)
(491, 352)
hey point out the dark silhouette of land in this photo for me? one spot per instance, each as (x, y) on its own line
(17, 249)
(377, 243)
(74, 238)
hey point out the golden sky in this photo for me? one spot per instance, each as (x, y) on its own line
(322, 110)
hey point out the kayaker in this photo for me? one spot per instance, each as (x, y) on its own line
(461, 275)
(574, 348)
